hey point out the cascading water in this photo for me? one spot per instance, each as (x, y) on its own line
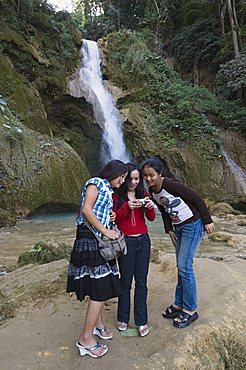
(88, 83)
(239, 174)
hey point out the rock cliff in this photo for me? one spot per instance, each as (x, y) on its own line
(35, 170)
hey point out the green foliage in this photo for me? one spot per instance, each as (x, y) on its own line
(199, 42)
(230, 84)
(96, 18)
(43, 45)
(130, 12)
(156, 15)
(192, 10)
(231, 78)
(126, 58)
(233, 115)
(189, 30)
(13, 11)
(178, 108)
(44, 252)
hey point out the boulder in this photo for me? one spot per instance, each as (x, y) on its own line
(221, 209)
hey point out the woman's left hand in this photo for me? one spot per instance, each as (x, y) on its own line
(112, 216)
(111, 234)
(173, 238)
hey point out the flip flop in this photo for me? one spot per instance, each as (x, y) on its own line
(121, 326)
(185, 319)
(143, 330)
(88, 350)
(171, 312)
(132, 332)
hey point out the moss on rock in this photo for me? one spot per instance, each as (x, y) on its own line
(23, 97)
(45, 252)
(11, 36)
(7, 218)
(36, 170)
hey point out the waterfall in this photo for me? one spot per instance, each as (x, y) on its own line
(239, 174)
(88, 83)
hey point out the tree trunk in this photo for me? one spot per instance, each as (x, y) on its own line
(236, 24)
(233, 28)
(222, 15)
(158, 19)
(196, 75)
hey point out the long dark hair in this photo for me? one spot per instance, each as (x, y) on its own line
(113, 169)
(160, 167)
(122, 191)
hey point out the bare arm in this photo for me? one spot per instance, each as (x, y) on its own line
(149, 209)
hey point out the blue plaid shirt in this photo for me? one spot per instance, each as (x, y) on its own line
(103, 204)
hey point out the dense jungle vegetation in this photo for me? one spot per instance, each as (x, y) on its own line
(204, 40)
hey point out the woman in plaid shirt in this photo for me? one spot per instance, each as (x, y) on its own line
(89, 274)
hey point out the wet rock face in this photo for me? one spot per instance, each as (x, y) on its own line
(35, 169)
(23, 97)
(77, 128)
(233, 142)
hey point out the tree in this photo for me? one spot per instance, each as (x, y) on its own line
(231, 78)
(155, 15)
(230, 5)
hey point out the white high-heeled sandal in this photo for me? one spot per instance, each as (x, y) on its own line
(98, 332)
(88, 350)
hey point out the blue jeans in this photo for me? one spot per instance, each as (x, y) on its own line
(135, 263)
(189, 237)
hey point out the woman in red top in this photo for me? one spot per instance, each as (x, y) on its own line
(131, 204)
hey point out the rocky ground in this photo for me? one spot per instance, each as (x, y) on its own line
(40, 322)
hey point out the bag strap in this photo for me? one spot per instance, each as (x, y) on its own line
(100, 240)
(87, 224)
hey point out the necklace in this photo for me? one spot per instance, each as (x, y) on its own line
(132, 196)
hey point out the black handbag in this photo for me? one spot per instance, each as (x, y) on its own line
(109, 248)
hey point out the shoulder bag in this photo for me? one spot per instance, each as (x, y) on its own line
(109, 248)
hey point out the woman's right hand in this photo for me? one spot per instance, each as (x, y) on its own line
(173, 237)
(134, 204)
(209, 228)
(111, 234)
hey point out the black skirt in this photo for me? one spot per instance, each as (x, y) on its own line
(89, 274)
